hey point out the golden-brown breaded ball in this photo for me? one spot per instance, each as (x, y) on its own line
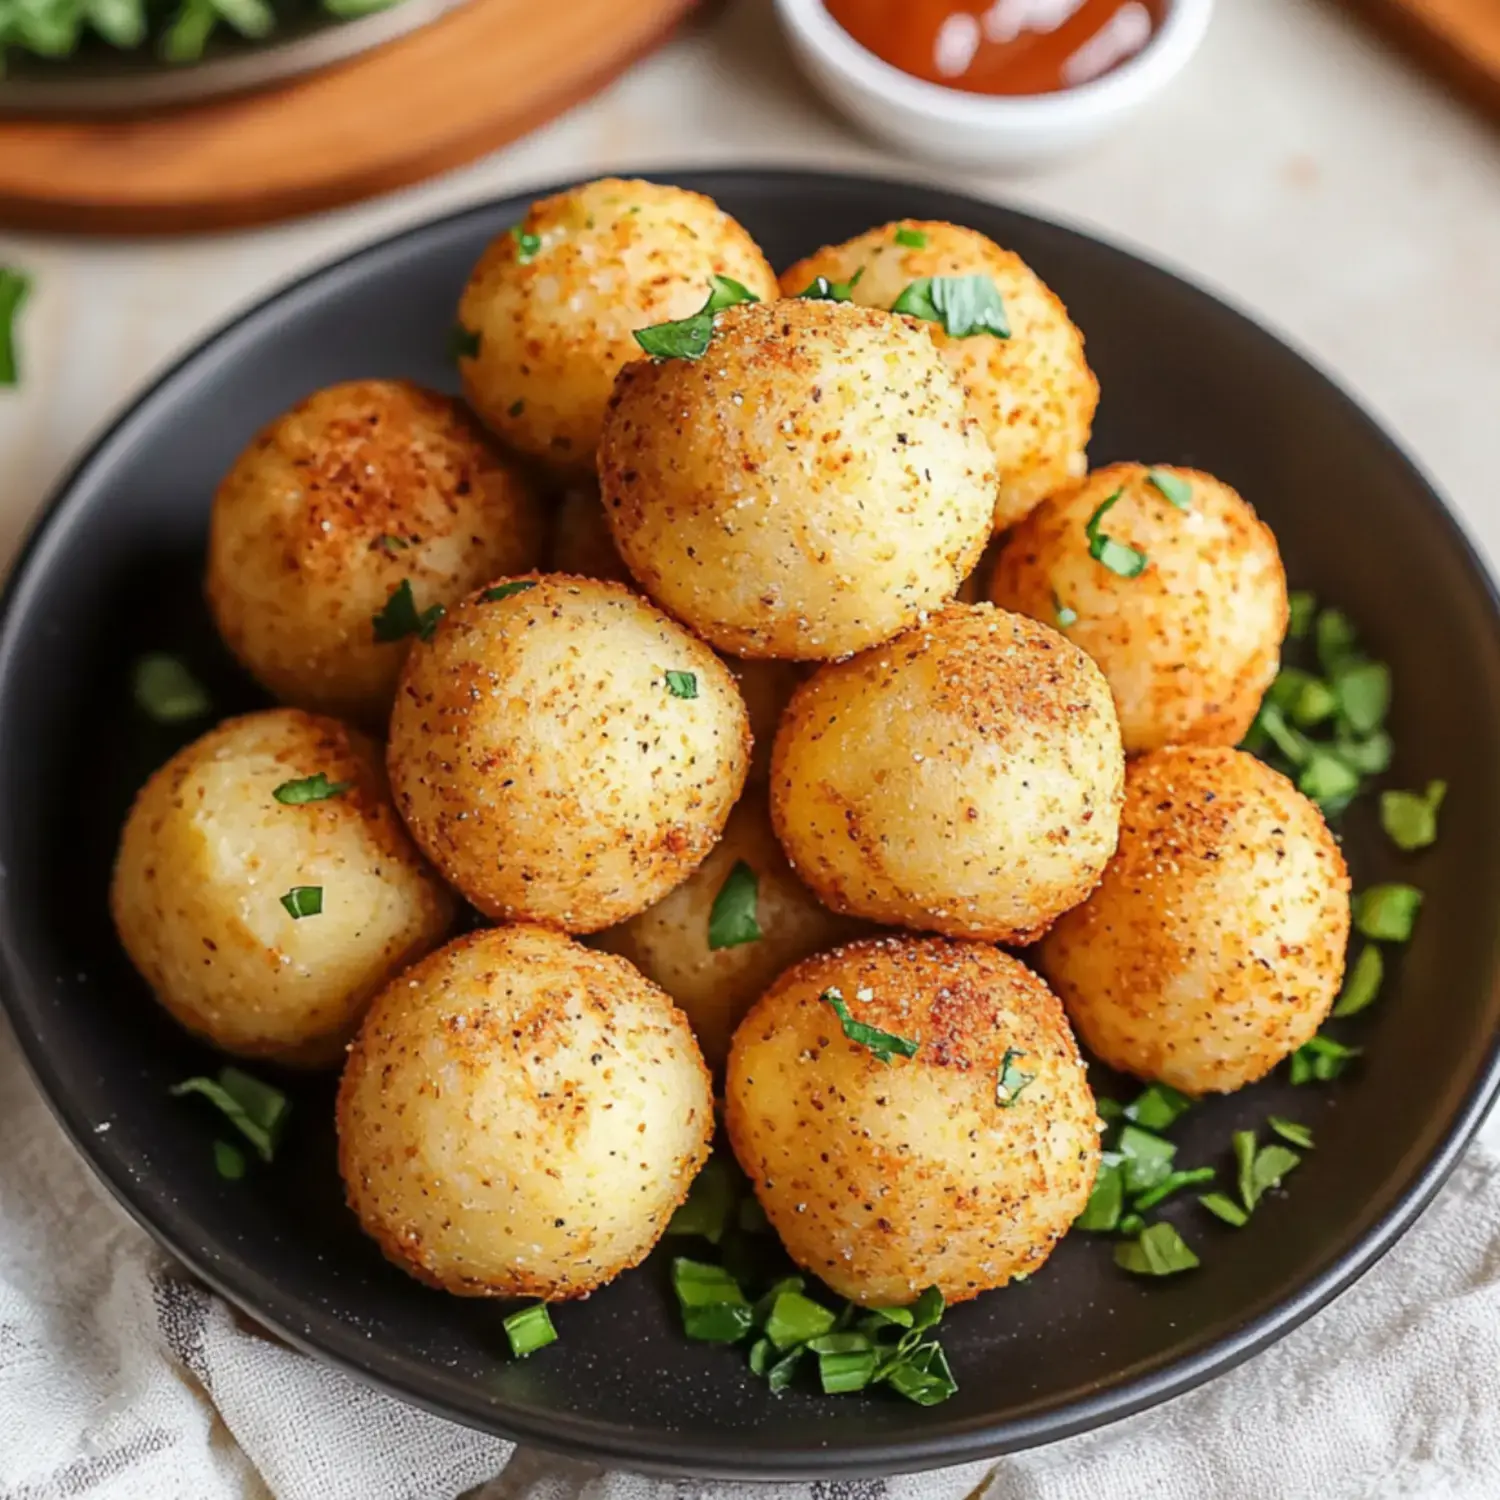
(672, 942)
(565, 753)
(1214, 946)
(207, 875)
(520, 1116)
(551, 309)
(805, 489)
(582, 543)
(959, 1166)
(356, 491)
(1190, 643)
(1033, 392)
(964, 778)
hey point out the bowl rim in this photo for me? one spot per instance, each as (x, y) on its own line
(325, 1337)
(1171, 45)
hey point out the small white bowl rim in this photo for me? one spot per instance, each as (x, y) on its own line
(1172, 43)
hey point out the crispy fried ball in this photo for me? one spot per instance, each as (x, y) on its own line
(1033, 392)
(1191, 643)
(672, 942)
(520, 1116)
(553, 303)
(582, 543)
(964, 778)
(805, 489)
(1214, 945)
(564, 752)
(959, 1167)
(207, 854)
(357, 490)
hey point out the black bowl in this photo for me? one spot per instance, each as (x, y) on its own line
(114, 569)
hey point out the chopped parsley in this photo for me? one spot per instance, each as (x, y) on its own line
(1410, 818)
(463, 343)
(400, 618)
(1101, 1214)
(527, 244)
(884, 1044)
(1361, 983)
(14, 286)
(732, 922)
(1224, 1207)
(1321, 1060)
(529, 1330)
(682, 684)
(1173, 487)
(710, 1204)
(1064, 614)
(913, 239)
(255, 1109)
(1260, 1169)
(1302, 607)
(1387, 913)
(688, 338)
(1012, 1082)
(1158, 1250)
(1120, 559)
(389, 543)
(303, 901)
(229, 1161)
(964, 305)
(821, 289)
(315, 788)
(1146, 1159)
(166, 691)
(1158, 1107)
(1290, 1130)
(505, 590)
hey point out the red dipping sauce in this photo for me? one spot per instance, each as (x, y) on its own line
(1001, 46)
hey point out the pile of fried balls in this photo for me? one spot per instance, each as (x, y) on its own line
(758, 663)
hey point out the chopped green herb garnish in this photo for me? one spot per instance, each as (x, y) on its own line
(761, 1355)
(505, 590)
(303, 901)
(821, 289)
(913, 239)
(851, 1370)
(400, 618)
(1361, 982)
(1012, 1082)
(1410, 818)
(1146, 1159)
(1261, 1170)
(1335, 637)
(1132, 1224)
(1321, 1060)
(1290, 1130)
(390, 544)
(1158, 1107)
(515, 408)
(1387, 913)
(527, 244)
(1327, 779)
(14, 285)
(1224, 1207)
(166, 691)
(255, 1109)
(688, 338)
(463, 343)
(1107, 1201)
(710, 1203)
(1158, 1251)
(1273, 725)
(1306, 700)
(795, 1318)
(1126, 561)
(1174, 488)
(1111, 1111)
(315, 788)
(1369, 756)
(733, 918)
(1363, 690)
(529, 1330)
(229, 1160)
(779, 1375)
(923, 1375)
(1173, 1183)
(714, 1309)
(1301, 608)
(1064, 615)
(883, 1044)
(682, 684)
(964, 305)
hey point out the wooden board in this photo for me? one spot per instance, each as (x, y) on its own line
(1460, 38)
(479, 77)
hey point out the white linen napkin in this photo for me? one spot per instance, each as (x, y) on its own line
(121, 1378)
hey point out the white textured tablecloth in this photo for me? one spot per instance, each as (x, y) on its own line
(121, 1378)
